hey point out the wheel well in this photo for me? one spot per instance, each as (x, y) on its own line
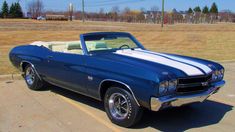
(23, 65)
(107, 84)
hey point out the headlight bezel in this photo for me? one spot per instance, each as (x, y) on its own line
(167, 87)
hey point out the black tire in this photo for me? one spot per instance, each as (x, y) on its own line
(36, 84)
(134, 113)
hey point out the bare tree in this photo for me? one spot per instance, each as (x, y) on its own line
(225, 16)
(101, 14)
(115, 9)
(126, 15)
(142, 9)
(35, 8)
(126, 10)
(114, 13)
(154, 8)
(154, 13)
(101, 11)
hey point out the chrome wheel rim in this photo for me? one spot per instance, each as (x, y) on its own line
(118, 106)
(30, 76)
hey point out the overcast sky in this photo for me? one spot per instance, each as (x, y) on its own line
(95, 5)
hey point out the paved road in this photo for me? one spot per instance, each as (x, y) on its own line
(55, 109)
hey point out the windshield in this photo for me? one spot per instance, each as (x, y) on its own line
(109, 42)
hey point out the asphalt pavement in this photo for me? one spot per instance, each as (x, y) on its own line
(56, 109)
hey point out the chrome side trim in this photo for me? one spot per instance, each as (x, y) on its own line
(21, 68)
(127, 86)
(168, 101)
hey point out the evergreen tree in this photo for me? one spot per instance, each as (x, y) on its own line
(18, 10)
(197, 9)
(190, 11)
(5, 10)
(205, 10)
(214, 9)
(12, 11)
(15, 11)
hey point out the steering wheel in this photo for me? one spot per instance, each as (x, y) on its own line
(124, 45)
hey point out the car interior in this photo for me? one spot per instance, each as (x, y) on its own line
(73, 47)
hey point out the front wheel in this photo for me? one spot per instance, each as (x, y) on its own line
(121, 107)
(32, 79)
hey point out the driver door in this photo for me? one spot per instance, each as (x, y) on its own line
(67, 70)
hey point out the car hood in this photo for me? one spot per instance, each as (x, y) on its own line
(162, 63)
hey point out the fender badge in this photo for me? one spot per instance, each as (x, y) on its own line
(90, 78)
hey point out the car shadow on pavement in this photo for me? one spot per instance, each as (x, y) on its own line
(186, 117)
(173, 119)
(77, 97)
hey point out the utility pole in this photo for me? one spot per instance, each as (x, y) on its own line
(70, 11)
(83, 11)
(162, 18)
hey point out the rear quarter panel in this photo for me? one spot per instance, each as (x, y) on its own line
(29, 53)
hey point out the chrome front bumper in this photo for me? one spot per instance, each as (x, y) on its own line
(175, 101)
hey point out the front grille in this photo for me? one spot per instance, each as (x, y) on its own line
(199, 79)
(193, 84)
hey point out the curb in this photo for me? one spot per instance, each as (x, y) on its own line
(11, 77)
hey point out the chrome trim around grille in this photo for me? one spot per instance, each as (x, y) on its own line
(193, 84)
(208, 77)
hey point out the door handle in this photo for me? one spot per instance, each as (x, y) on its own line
(49, 56)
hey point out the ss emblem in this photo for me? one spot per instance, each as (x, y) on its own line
(205, 83)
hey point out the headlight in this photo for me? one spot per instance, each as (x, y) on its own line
(221, 74)
(163, 87)
(218, 75)
(167, 87)
(172, 85)
(214, 76)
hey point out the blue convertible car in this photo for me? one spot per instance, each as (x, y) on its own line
(115, 68)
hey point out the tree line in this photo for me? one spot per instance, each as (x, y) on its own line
(207, 15)
(35, 8)
(153, 15)
(15, 10)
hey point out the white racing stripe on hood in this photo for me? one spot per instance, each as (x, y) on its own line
(189, 70)
(205, 68)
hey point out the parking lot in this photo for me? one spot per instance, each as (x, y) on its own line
(56, 109)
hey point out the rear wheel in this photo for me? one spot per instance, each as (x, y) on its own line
(121, 107)
(32, 79)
